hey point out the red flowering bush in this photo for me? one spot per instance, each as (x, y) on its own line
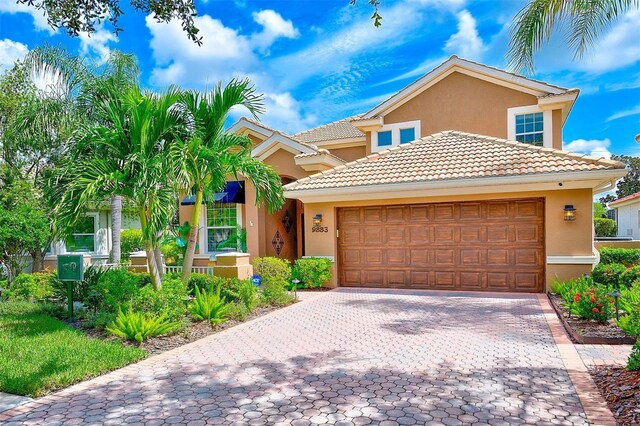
(593, 304)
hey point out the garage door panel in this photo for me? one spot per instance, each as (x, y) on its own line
(487, 245)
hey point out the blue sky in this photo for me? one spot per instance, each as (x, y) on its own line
(321, 61)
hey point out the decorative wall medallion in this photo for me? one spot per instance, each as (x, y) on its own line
(277, 243)
(287, 221)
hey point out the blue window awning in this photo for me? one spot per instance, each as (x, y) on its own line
(233, 193)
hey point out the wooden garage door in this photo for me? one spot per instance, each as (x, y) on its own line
(485, 245)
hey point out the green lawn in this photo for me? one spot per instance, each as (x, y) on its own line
(39, 354)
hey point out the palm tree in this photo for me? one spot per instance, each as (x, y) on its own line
(209, 155)
(127, 154)
(80, 85)
(533, 25)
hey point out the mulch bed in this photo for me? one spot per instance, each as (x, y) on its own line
(589, 332)
(315, 289)
(194, 331)
(621, 389)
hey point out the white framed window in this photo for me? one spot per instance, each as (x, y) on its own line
(530, 124)
(83, 239)
(221, 231)
(395, 134)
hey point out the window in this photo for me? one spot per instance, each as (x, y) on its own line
(83, 238)
(530, 128)
(407, 135)
(222, 223)
(384, 138)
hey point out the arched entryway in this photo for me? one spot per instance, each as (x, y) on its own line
(283, 229)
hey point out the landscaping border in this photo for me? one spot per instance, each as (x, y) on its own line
(588, 340)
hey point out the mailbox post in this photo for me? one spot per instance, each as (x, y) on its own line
(70, 270)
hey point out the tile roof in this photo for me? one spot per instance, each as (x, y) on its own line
(452, 155)
(341, 129)
(274, 131)
(623, 199)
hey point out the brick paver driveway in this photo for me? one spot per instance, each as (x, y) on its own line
(345, 357)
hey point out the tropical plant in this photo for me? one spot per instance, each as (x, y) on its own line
(585, 21)
(568, 289)
(247, 293)
(116, 288)
(30, 287)
(126, 155)
(630, 276)
(170, 301)
(203, 282)
(593, 304)
(210, 307)
(208, 155)
(312, 271)
(138, 327)
(599, 210)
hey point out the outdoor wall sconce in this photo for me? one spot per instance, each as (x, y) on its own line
(569, 213)
(317, 220)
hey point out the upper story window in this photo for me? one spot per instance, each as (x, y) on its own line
(530, 128)
(395, 134)
(529, 124)
(222, 225)
(83, 238)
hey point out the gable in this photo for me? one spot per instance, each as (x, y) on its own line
(461, 102)
(284, 162)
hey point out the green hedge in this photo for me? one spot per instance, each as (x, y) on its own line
(625, 256)
(609, 274)
(605, 227)
(130, 242)
(312, 272)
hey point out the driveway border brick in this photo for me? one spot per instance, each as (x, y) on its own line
(594, 405)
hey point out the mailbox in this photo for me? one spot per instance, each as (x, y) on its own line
(71, 267)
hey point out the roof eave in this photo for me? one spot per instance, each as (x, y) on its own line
(544, 181)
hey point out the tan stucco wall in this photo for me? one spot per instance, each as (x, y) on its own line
(464, 103)
(556, 118)
(284, 163)
(635, 244)
(562, 238)
(350, 154)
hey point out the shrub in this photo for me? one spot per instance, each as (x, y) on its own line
(82, 289)
(130, 242)
(630, 304)
(634, 358)
(312, 272)
(116, 288)
(31, 287)
(273, 270)
(170, 301)
(247, 294)
(605, 227)
(172, 252)
(630, 276)
(238, 311)
(593, 304)
(138, 327)
(210, 306)
(608, 274)
(568, 289)
(626, 256)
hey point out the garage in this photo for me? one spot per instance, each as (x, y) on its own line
(476, 246)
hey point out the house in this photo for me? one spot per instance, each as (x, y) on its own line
(627, 215)
(458, 181)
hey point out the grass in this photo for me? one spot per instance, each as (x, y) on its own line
(40, 354)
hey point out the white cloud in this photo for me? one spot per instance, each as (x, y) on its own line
(626, 113)
(593, 147)
(96, 45)
(466, 42)
(274, 27)
(10, 52)
(39, 18)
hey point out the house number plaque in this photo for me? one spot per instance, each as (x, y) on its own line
(318, 228)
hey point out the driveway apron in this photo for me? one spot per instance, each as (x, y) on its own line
(344, 357)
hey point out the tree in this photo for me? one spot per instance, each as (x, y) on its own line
(536, 21)
(126, 154)
(24, 224)
(78, 16)
(209, 155)
(599, 210)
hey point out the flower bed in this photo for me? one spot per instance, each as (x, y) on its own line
(586, 331)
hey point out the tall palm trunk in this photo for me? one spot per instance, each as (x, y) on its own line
(193, 238)
(150, 250)
(116, 228)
